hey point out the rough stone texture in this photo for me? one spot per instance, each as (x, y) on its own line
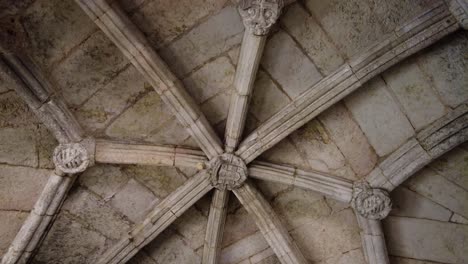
(110, 101)
(413, 90)
(350, 139)
(11, 224)
(134, 200)
(20, 187)
(162, 21)
(446, 66)
(379, 117)
(440, 190)
(18, 146)
(103, 180)
(408, 237)
(88, 68)
(214, 36)
(290, 68)
(14, 112)
(453, 166)
(58, 40)
(170, 248)
(307, 31)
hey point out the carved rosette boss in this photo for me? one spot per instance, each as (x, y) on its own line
(374, 204)
(71, 158)
(260, 15)
(228, 172)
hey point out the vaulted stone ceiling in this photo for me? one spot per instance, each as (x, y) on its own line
(343, 102)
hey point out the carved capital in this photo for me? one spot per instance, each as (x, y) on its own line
(260, 15)
(228, 172)
(374, 204)
(459, 9)
(71, 158)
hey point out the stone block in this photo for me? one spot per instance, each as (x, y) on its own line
(399, 260)
(424, 239)
(111, 100)
(267, 97)
(140, 120)
(18, 146)
(326, 237)
(352, 25)
(379, 116)
(14, 112)
(104, 180)
(286, 153)
(162, 21)
(169, 248)
(20, 187)
(350, 139)
(315, 42)
(69, 241)
(93, 212)
(46, 144)
(216, 108)
(314, 143)
(438, 189)
(172, 133)
(210, 79)
(11, 224)
(286, 63)
(142, 258)
(243, 249)
(456, 218)
(238, 224)
(66, 25)
(160, 180)
(134, 200)
(192, 227)
(453, 166)
(410, 204)
(88, 68)
(413, 90)
(352, 257)
(208, 40)
(445, 64)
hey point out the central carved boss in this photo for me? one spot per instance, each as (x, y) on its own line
(228, 172)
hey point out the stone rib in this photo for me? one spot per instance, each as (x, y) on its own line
(115, 152)
(34, 228)
(247, 67)
(36, 91)
(215, 227)
(335, 187)
(270, 225)
(130, 40)
(440, 137)
(412, 37)
(373, 241)
(165, 213)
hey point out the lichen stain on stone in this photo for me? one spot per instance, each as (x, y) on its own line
(314, 130)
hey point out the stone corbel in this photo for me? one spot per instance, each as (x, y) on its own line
(260, 15)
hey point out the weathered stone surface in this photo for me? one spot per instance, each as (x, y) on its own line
(163, 21)
(211, 38)
(446, 66)
(243, 249)
(160, 180)
(399, 260)
(142, 258)
(104, 180)
(408, 237)
(453, 166)
(66, 29)
(20, 187)
(349, 138)
(413, 90)
(323, 238)
(134, 200)
(11, 224)
(139, 121)
(350, 257)
(410, 204)
(305, 29)
(172, 133)
(95, 215)
(70, 242)
(192, 227)
(46, 143)
(285, 152)
(18, 146)
(111, 100)
(267, 98)
(88, 68)
(351, 24)
(314, 143)
(440, 190)
(238, 224)
(170, 248)
(379, 117)
(456, 218)
(14, 112)
(290, 68)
